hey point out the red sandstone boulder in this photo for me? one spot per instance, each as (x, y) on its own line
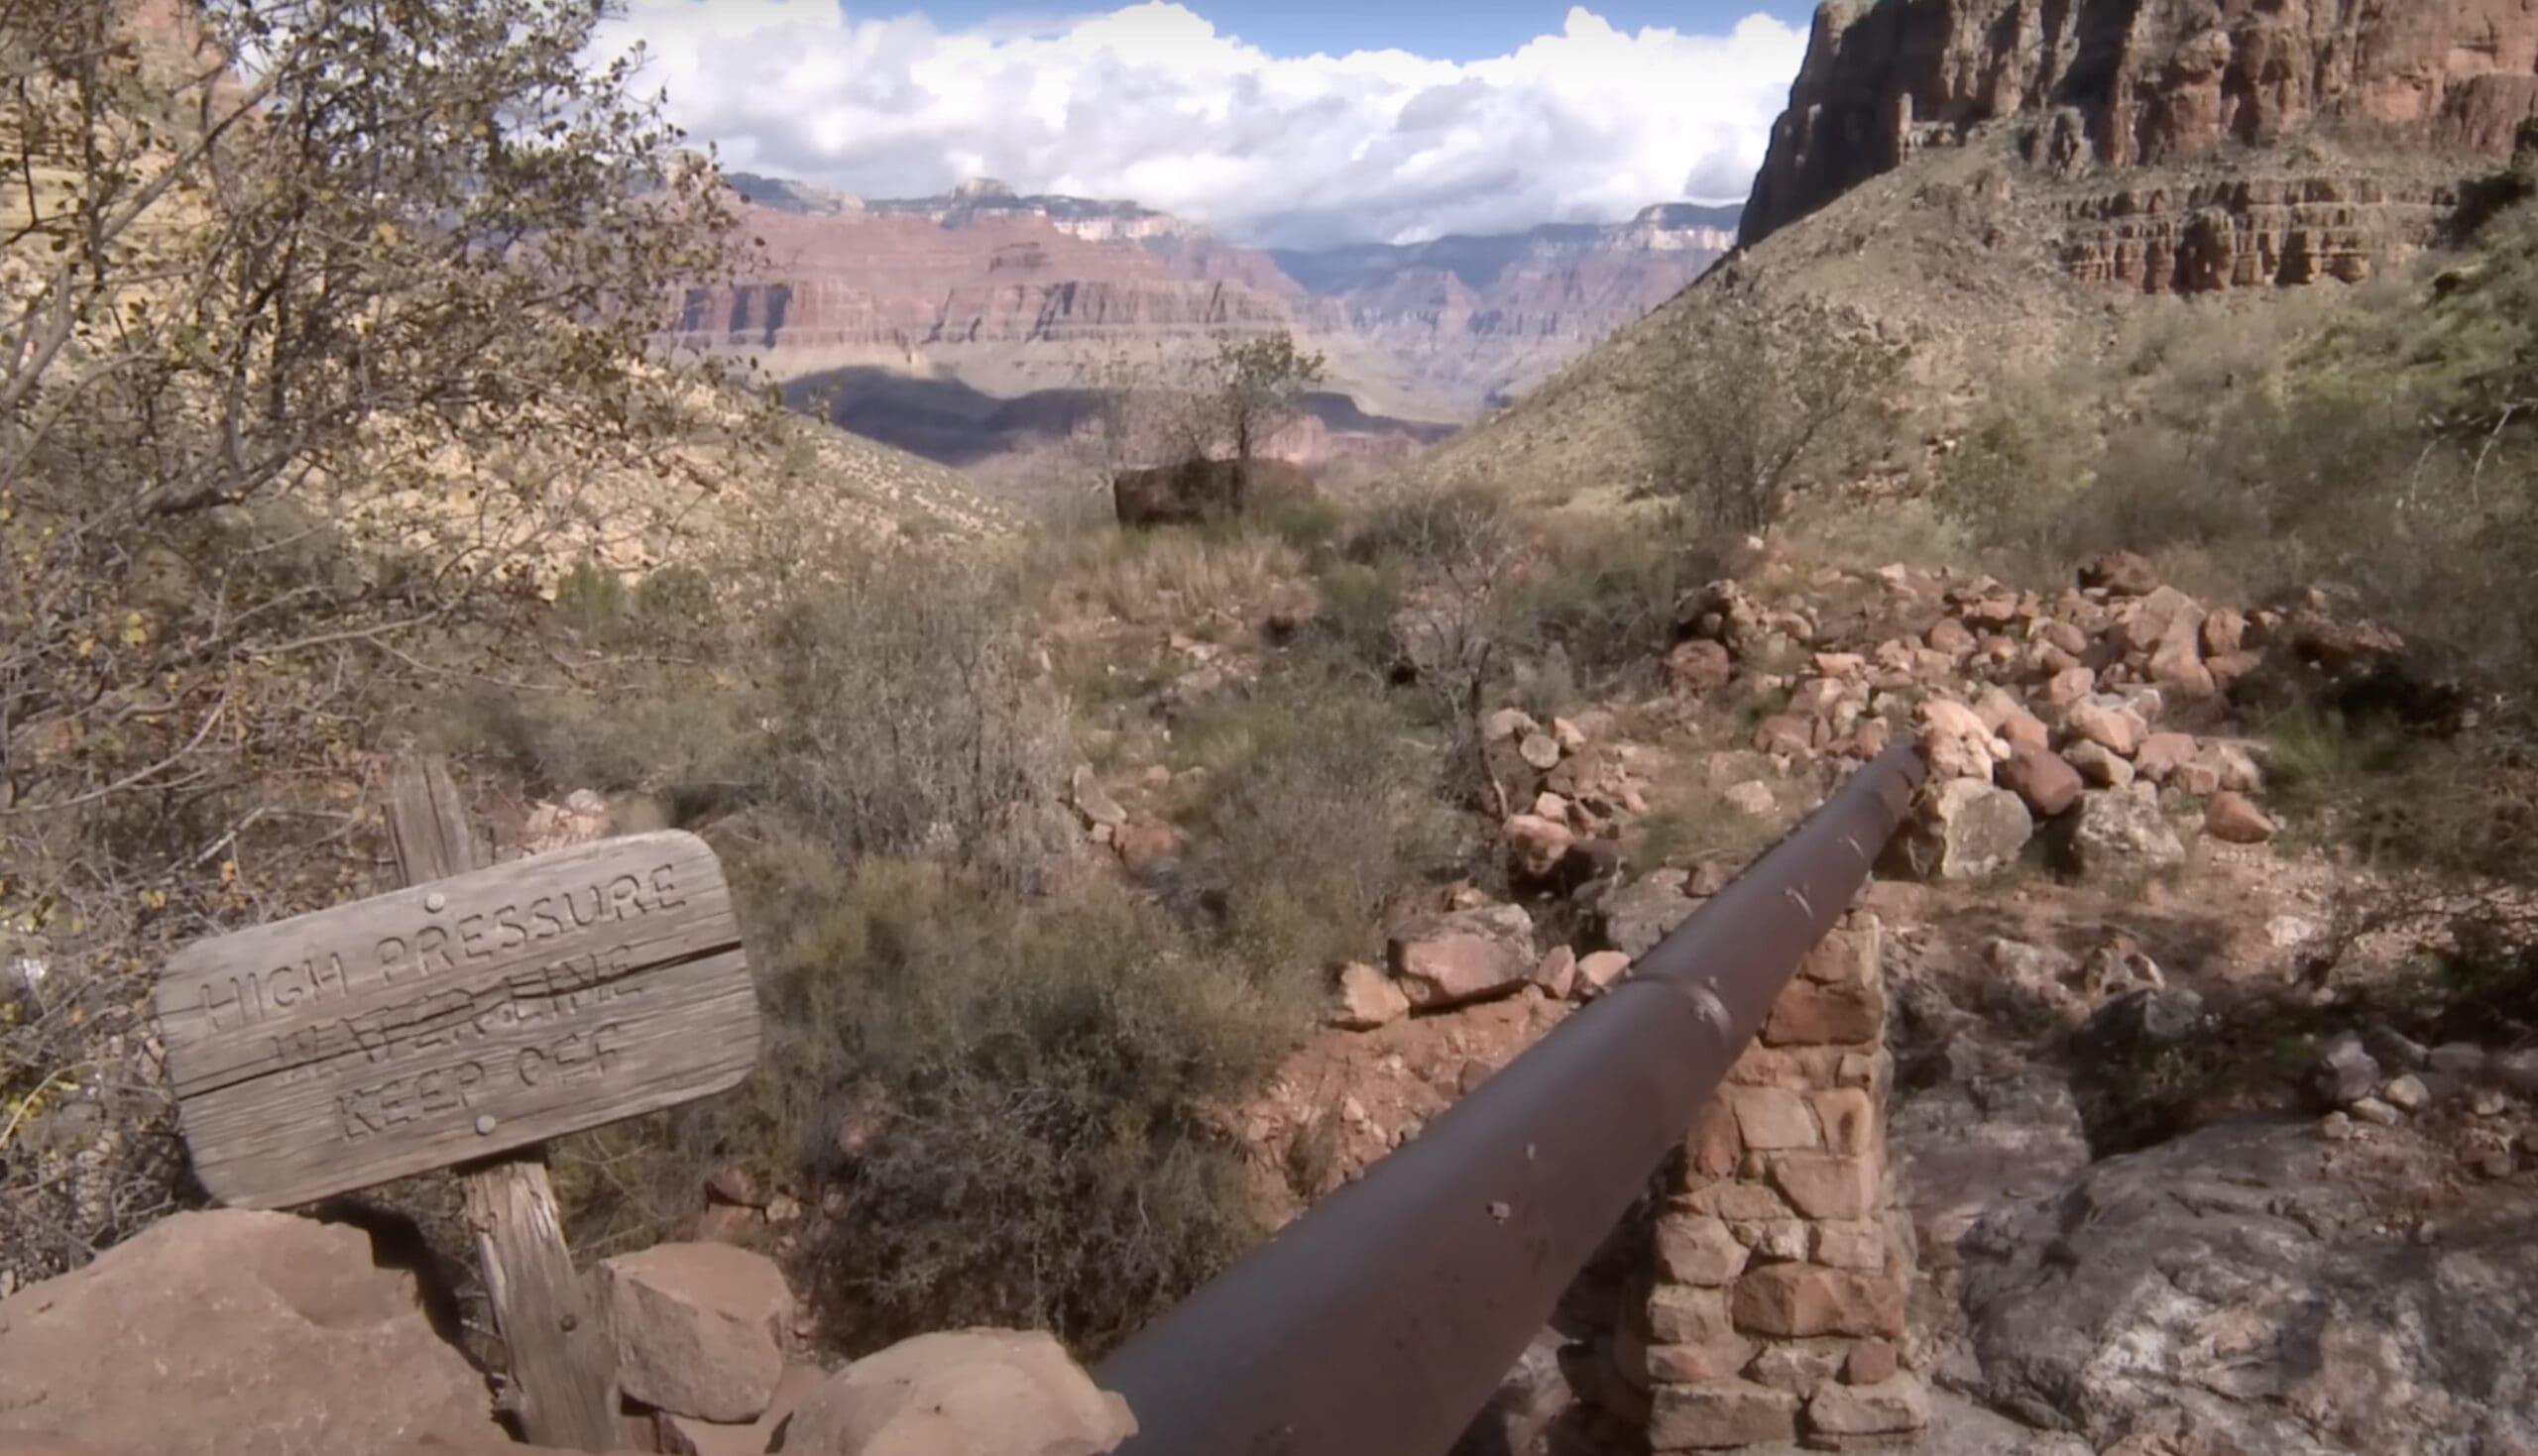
(1556, 972)
(1861, 1411)
(2007, 719)
(2234, 819)
(1699, 666)
(962, 1393)
(1536, 846)
(2163, 755)
(699, 1328)
(2119, 574)
(2048, 784)
(208, 1334)
(1958, 741)
(2224, 632)
(1966, 829)
(1465, 956)
(1146, 846)
(1821, 1014)
(2117, 730)
(1367, 999)
(1827, 1185)
(1697, 1249)
(1797, 1300)
(1597, 973)
(1951, 636)
(2069, 686)
(1718, 1415)
(685, 1435)
(1786, 735)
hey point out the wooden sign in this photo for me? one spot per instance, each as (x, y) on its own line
(457, 1018)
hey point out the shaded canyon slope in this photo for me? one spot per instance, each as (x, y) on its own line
(1998, 182)
(974, 314)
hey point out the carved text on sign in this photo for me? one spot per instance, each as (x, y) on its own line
(457, 1018)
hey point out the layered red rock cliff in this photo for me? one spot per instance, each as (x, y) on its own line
(906, 283)
(2208, 143)
(1011, 292)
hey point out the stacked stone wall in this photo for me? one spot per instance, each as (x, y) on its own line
(1775, 1304)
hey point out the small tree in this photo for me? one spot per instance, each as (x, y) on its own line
(1130, 410)
(1158, 409)
(1258, 388)
(290, 351)
(1752, 400)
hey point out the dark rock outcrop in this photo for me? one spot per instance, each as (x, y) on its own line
(2254, 1288)
(1195, 489)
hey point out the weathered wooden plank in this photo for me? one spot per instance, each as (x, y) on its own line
(427, 824)
(454, 1019)
(563, 1363)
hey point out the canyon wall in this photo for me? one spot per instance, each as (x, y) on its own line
(2199, 144)
(1012, 294)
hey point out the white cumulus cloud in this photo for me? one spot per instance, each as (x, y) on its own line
(1150, 102)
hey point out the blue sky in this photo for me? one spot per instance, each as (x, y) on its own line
(1449, 30)
(1298, 124)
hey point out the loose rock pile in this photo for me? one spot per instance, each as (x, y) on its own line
(2061, 717)
(2475, 1099)
(2038, 712)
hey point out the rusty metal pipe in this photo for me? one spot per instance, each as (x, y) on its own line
(1379, 1323)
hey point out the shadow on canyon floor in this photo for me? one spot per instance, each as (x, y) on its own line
(959, 426)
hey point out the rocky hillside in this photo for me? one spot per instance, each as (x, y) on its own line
(2204, 146)
(2002, 186)
(1004, 295)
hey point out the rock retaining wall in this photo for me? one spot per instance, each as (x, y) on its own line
(1775, 1305)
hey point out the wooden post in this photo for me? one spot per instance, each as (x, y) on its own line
(563, 1365)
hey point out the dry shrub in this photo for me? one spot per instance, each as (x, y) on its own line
(905, 718)
(1602, 597)
(1323, 812)
(1002, 1109)
(250, 330)
(1448, 559)
(1755, 397)
(1168, 577)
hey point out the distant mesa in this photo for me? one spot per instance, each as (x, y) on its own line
(1690, 217)
(784, 194)
(1009, 295)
